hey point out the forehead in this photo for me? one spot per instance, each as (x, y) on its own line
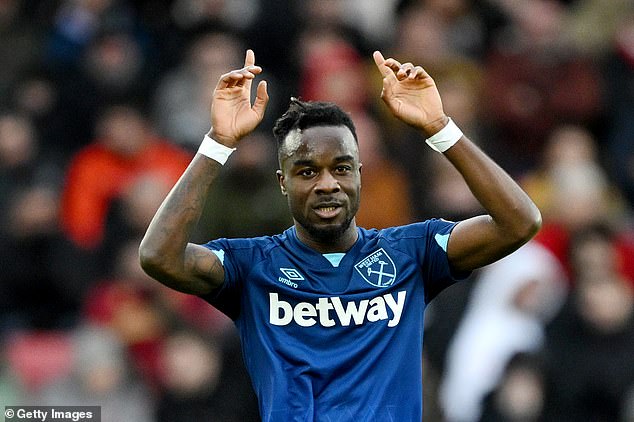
(319, 143)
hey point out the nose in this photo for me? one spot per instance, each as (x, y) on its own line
(327, 183)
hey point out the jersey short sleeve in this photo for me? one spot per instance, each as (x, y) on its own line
(431, 253)
(237, 257)
(437, 262)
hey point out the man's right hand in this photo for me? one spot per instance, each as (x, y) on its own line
(232, 116)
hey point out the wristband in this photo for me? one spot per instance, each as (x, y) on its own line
(215, 150)
(445, 138)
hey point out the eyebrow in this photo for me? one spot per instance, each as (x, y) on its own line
(298, 163)
(340, 159)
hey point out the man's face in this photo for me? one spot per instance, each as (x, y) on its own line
(321, 177)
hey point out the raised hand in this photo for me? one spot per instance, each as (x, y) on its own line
(411, 94)
(232, 115)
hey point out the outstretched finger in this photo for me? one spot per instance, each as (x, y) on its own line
(379, 60)
(249, 59)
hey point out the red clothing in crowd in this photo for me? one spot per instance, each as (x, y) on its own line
(98, 175)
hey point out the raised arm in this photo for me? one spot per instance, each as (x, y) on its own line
(512, 220)
(165, 252)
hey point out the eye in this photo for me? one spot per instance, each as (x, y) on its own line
(343, 169)
(307, 172)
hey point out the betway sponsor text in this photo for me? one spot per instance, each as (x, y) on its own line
(330, 311)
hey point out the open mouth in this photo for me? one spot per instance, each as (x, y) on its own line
(327, 211)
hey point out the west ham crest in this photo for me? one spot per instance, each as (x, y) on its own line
(377, 269)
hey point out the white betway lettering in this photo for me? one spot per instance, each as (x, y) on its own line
(307, 314)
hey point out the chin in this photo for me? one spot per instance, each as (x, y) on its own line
(328, 232)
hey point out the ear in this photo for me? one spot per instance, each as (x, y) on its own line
(280, 180)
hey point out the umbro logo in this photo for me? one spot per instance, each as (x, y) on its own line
(292, 276)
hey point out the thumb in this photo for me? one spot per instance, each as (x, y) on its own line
(261, 99)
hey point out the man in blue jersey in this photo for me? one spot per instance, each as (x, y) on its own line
(330, 315)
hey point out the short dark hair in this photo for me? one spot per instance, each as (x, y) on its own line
(304, 114)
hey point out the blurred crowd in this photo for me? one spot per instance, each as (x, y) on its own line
(104, 102)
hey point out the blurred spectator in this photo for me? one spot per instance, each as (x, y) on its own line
(37, 95)
(590, 344)
(573, 191)
(248, 187)
(183, 96)
(512, 301)
(129, 215)
(462, 91)
(466, 30)
(566, 148)
(332, 17)
(100, 376)
(374, 19)
(189, 14)
(114, 69)
(445, 191)
(124, 148)
(332, 70)
(386, 190)
(41, 273)
(129, 309)
(39, 287)
(520, 394)
(20, 45)
(77, 23)
(591, 24)
(275, 27)
(35, 359)
(425, 35)
(201, 381)
(21, 165)
(535, 81)
(175, 307)
(141, 312)
(619, 79)
(98, 54)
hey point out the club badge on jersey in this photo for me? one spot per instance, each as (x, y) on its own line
(378, 269)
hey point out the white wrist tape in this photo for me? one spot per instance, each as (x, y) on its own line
(215, 150)
(445, 138)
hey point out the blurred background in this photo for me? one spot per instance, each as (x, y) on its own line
(104, 102)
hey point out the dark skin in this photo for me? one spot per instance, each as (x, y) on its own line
(320, 175)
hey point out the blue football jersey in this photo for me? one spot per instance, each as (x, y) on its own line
(325, 343)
